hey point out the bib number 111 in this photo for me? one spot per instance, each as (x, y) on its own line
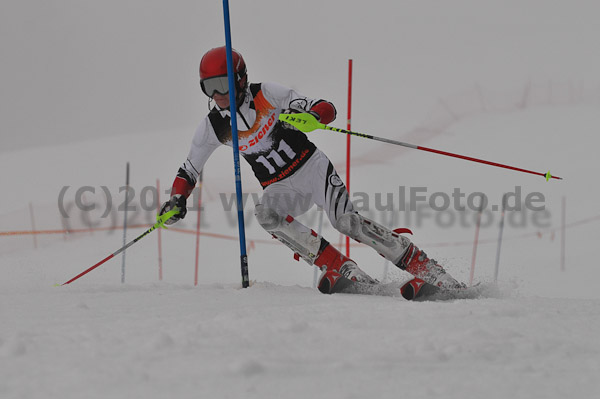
(275, 157)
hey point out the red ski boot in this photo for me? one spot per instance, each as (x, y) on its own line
(339, 271)
(419, 265)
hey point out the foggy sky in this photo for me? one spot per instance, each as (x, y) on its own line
(76, 70)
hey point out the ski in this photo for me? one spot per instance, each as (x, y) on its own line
(412, 290)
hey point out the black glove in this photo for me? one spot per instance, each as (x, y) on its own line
(179, 201)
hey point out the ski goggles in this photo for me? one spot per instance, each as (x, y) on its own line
(218, 84)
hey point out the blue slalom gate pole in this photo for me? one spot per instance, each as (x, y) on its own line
(236, 150)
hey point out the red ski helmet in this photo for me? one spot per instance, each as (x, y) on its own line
(213, 71)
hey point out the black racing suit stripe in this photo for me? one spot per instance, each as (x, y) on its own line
(184, 175)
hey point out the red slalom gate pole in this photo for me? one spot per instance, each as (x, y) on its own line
(348, 141)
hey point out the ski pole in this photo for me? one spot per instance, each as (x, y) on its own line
(160, 223)
(306, 122)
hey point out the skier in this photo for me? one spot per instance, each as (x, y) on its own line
(294, 175)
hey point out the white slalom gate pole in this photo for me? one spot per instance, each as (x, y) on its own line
(196, 265)
(125, 222)
(476, 243)
(497, 267)
(31, 214)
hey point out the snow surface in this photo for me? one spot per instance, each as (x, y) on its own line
(535, 335)
(157, 340)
